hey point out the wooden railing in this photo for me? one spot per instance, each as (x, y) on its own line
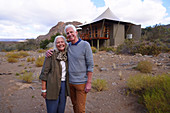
(88, 37)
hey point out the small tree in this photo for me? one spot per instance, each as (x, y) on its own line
(44, 43)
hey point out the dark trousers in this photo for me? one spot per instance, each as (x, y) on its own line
(57, 106)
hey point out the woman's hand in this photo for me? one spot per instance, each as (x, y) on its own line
(44, 94)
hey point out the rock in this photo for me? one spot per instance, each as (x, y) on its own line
(32, 88)
(103, 69)
(114, 83)
(149, 56)
(138, 55)
(59, 28)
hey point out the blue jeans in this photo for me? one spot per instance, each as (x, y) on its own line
(57, 106)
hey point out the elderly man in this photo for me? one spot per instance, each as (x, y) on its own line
(80, 60)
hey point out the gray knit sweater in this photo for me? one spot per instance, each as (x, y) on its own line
(80, 60)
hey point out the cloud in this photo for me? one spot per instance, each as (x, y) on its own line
(144, 12)
(31, 18)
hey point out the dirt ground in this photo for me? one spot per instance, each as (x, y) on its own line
(17, 96)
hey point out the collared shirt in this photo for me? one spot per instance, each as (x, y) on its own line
(77, 42)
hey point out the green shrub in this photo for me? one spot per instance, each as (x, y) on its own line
(94, 50)
(154, 91)
(99, 84)
(144, 66)
(17, 74)
(107, 49)
(44, 43)
(142, 46)
(39, 62)
(27, 77)
(146, 49)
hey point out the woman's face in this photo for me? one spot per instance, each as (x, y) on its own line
(60, 44)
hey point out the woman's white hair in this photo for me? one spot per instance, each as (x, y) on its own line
(55, 40)
(70, 25)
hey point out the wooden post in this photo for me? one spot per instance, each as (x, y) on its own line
(98, 44)
(108, 42)
(92, 42)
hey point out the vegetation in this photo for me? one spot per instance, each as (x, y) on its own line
(94, 50)
(39, 62)
(12, 57)
(99, 84)
(12, 60)
(45, 42)
(41, 51)
(30, 59)
(27, 77)
(144, 66)
(153, 41)
(154, 91)
(107, 49)
(19, 54)
(30, 44)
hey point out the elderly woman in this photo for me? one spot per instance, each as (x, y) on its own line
(54, 76)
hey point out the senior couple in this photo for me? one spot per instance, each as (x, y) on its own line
(67, 70)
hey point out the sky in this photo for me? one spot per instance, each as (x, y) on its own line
(31, 18)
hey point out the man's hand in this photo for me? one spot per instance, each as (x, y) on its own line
(49, 53)
(88, 87)
(88, 84)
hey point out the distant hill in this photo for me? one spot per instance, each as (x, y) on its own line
(59, 28)
(167, 26)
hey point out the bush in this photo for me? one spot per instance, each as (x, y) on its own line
(27, 77)
(107, 49)
(94, 50)
(41, 51)
(154, 91)
(144, 66)
(12, 55)
(20, 54)
(99, 84)
(23, 54)
(29, 59)
(142, 46)
(39, 62)
(12, 60)
(44, 43)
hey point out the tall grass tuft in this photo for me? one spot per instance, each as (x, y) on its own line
(30, 59)
(27, 77)
(94, 50)
(99, 84)
(154, 91)
(12, 60)
(39, 62)
(14, 54)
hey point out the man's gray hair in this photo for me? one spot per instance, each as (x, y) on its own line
(70, 25)
(55, 40)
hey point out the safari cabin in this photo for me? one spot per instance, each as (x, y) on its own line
(108, 30)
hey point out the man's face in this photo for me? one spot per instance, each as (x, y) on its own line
(71, 35)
